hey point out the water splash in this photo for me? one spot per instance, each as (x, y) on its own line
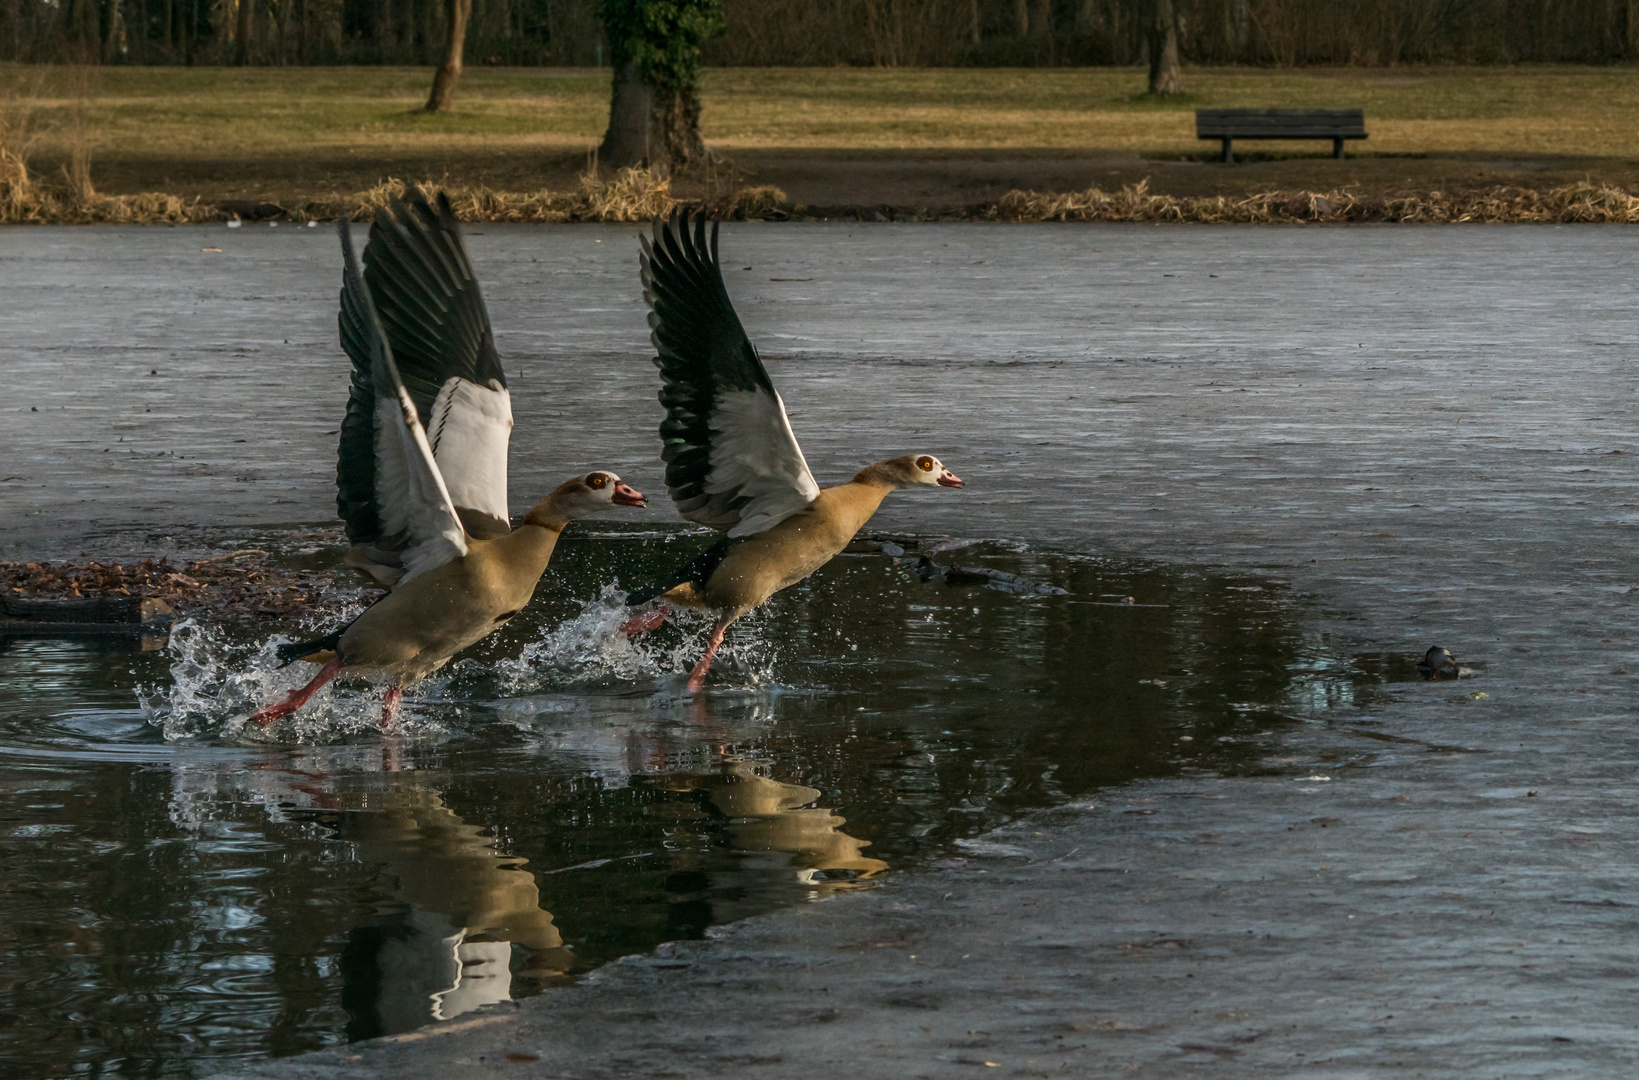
(589, 649)
(217, 681)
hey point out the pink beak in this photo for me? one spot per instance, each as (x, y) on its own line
(949, 479)
(627, 495)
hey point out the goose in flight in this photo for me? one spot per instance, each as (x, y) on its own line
(421, 472)
(732, 461)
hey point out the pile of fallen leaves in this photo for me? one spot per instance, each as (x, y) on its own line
(236, 583)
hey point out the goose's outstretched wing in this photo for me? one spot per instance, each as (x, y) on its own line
(732, 461)
(392, 495)
(430, 307)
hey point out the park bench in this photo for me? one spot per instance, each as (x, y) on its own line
(1231, 124)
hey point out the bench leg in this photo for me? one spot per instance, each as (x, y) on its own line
(1229, 151)
(1337, 149)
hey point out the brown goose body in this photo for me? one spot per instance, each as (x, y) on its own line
(416, 629)
(755, 567)
(430, 617)
(759, 566)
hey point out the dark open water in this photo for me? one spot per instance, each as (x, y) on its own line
(181, 893)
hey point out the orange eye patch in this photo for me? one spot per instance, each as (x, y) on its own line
(596, 480)
(924, 463)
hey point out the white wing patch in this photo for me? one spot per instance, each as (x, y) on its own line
(410, 490)
(755, 456)
(469, 429)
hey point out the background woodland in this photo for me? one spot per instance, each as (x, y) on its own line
(882, 33)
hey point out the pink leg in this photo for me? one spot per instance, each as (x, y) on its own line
(697, 677)
(298, 698)
(389, 705)
(644, 622)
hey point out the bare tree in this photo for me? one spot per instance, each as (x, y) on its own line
(1165, 78)
(456, 15)
(244, 26)
(1041, 18)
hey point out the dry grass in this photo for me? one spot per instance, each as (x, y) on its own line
(631, 195)
(179, 145)
(259, 114)
(1573, 204)
(1584, 112)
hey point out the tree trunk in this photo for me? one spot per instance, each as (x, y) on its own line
(455, 40)
(975, 27)
(626, 143)
(676, 119)
(1021, 17)
(242, 32)
(111, 33)
(1240, 29)
(1165, 78)
(1041, 18)
(649, 126)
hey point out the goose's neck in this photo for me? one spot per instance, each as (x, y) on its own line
(529, 547)
(547, 515)
(876, 476)
(849, 506)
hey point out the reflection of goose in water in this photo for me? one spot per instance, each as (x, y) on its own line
(442, 944)
(771, 818)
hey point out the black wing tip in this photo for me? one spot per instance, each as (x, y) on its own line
(416, 209)
(685, 232)
(349, 253)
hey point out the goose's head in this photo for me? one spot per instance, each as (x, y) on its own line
(914, 470)
(596, 491)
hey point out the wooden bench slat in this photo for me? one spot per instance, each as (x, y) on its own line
(1356, 113)
(1281, 133)
(1228, 125)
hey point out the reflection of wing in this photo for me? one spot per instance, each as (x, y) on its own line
(408, 502)
(732, 461)
(430, 307)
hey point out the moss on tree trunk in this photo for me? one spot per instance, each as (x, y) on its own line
(654, 106)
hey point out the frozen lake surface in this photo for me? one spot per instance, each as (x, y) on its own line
(1407, 436)
(1297, 369)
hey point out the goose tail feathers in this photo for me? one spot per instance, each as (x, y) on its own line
(292, 651)
(696, 572)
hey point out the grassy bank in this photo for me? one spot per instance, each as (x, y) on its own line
(936, 140)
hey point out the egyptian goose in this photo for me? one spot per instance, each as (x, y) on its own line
(421, 472)
(732, 461)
